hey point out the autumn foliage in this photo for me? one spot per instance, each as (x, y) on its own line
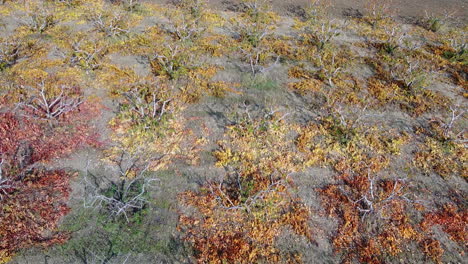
(46, 143)
(452, 219)
(240, 217)
(33, 199)
(226, 121)
(33, 206)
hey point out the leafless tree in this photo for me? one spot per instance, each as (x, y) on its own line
(39, 20)
(44, 104)
(111, 24)
(129, 4)
(329, 70)
(394, 39)
(3, 181)
(187, 28)
(234, 182)
(350, 119)
(371, 203)
(188, 23)
(173, 60)
(324, 32)
(378, 10)
(317, 10)
(90, 58)
(147, 102)
(456, 114)
(255, 57)
(434, 22)
(168, 62)
(122, 194)
(410, 74)
(252, 32)
(9, 53)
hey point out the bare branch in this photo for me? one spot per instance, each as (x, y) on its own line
(122, 196)
(45, 104)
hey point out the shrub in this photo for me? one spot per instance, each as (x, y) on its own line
(378, 11)
(34, 204)
(48, 102)
(122, 195)
(452, 219)
(10, 52)
(46, 143)
(259, 82)
(108, 22)
(340, 141)
(252, 29)
(239, 217)
(39, 19)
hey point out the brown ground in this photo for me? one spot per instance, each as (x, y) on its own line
(404, 8)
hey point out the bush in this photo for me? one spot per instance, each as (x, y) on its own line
(239, 217)
(40, 19)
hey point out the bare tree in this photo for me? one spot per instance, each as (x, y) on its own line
(111, 24)
(228, 192)
(410, 74)
(4, 182)
(256, 56)
(378, 10)
(9, 53)
(87, 57)
(168, 62)
(252, 32)
(130, 5)
(328, 69)
(146, 103)
(434, 22)
(447, 125)
(39, 20)
(45, 104)
(394, 39)
(188, 28)
(374, 201)
(323, 32)
(124, 193)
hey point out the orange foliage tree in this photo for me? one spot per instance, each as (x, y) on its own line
(240, 216)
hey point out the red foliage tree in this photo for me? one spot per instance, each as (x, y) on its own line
(33, 199)
(47, 142)
(453, 220)
(30, 211)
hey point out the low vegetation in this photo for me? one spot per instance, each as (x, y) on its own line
(132, 132)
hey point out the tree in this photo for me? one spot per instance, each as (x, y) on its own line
(239, 217)
(32, 198)
(32, 206)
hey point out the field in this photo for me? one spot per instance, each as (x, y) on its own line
(232, 132)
